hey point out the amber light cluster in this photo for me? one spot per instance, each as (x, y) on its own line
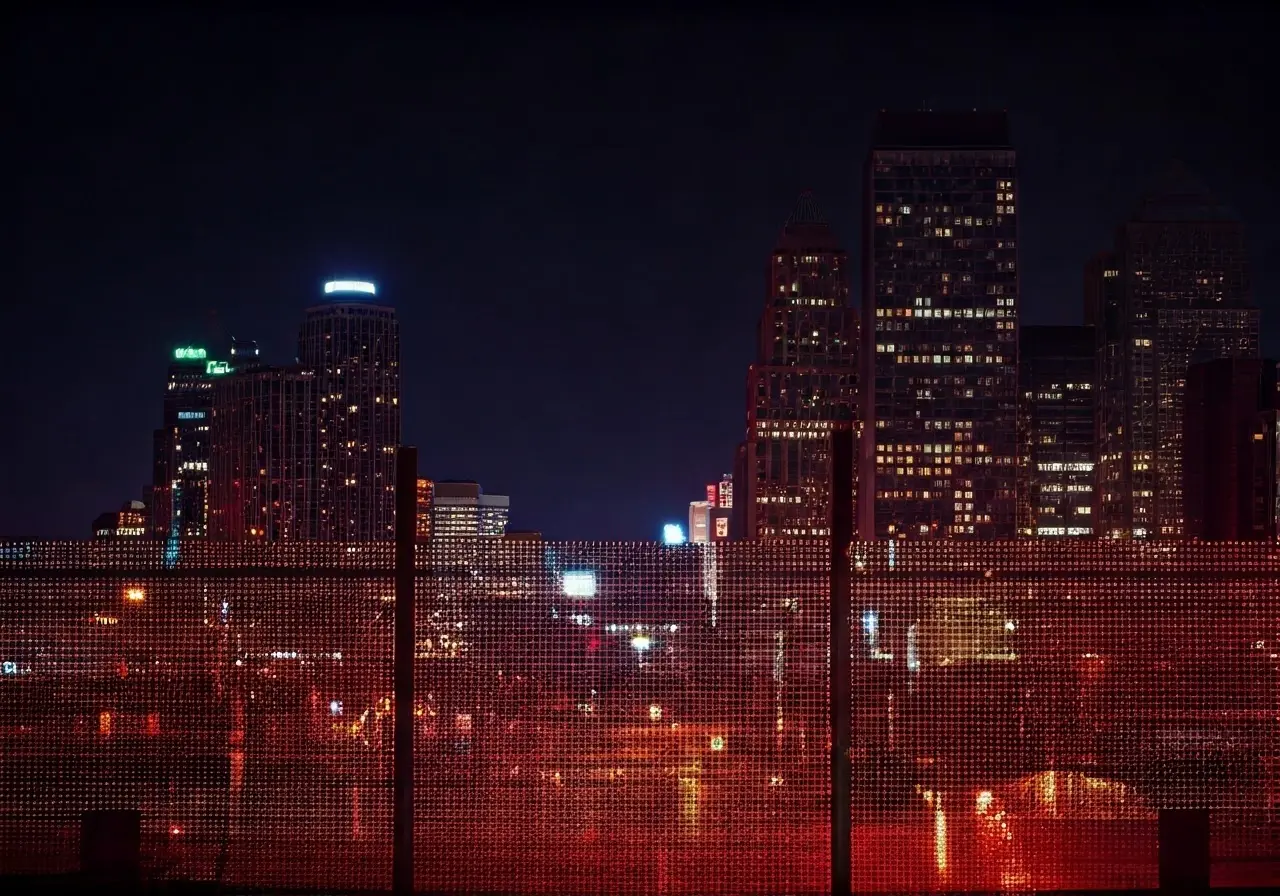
(636, 718)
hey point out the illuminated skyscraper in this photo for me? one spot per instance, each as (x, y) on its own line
(463, 510)
(940, 327)
(802, 385)
(352, 342)
(180, 462)
(263, 469)
(1057, 451)
(1174, 292)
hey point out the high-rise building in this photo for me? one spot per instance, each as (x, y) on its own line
(426, 493)
(1057, 451)
(263, 464)
(1229, 450)
(802, 386)
(940, 323)
(180, 459)
(700, 521)
(463, 510)
(132, 520)
(1174, 291)
(352, 342)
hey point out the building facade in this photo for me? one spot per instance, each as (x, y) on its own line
(463, 510)
(263, 467)
(939, 329)
(1174, 291)
(426, 496)
(802, 386)
(181, 447)
(1057, 453)
(132, 520)
(352, 342)
(1229, 451)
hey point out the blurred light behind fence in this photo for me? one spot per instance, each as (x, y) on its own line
(636, 718)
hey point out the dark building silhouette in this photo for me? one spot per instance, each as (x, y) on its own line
(352, 343)
(1058, 452)
(263, 466)
(1174, 291)
(180, 448)
(939, 327)
(1229, 450)
(802, 385)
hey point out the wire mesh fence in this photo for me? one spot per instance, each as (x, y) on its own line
(635, 718)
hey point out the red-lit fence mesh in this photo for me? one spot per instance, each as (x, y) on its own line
(629, 718)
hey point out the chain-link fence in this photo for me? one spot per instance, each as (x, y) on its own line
(634, 718)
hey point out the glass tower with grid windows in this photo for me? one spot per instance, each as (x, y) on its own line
(940, 328)
(802, 385)
(352, 341)
(263, 469)
(1057, 452)
(1174, 292)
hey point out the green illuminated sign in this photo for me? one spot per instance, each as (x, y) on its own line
(217, 367)
(189, 354)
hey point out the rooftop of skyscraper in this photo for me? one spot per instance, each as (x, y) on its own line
(947, 129)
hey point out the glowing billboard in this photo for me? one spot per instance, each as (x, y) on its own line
(579, 584)
(189, 353)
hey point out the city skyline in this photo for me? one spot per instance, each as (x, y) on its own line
(567, 362)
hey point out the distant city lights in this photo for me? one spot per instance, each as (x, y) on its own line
(579, 584)
(335, 707)
(718, 744)
(673, 533)
(334, 287)
(135, 595)
(641, 643)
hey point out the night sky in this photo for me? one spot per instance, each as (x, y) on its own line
(573, 220)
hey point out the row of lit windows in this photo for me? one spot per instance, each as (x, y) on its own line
(944, 313)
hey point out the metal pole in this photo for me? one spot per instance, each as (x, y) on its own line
(842, 519)
(406, 539)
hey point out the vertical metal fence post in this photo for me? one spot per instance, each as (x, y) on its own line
(1184, 850)
(406, 539)
(842, 519)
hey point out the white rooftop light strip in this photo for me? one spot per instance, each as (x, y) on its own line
(341, 286)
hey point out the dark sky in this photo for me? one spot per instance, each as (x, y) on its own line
(572, 219)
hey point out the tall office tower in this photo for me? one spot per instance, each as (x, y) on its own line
(180, 460)
(1057, 450)
(463, 510)
(1229, 450)
(1174, 292)
(803, 384)
(352, 342)
(426, 494)
(263, 465)
(940, 323)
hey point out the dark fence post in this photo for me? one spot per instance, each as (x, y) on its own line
(1184, 850)
(842, 461)
(111, 846)
(406, 540)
